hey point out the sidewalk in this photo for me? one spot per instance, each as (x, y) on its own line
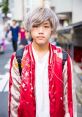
(78, 88)
(4, 78)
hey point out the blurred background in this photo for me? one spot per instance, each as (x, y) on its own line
(68, 36)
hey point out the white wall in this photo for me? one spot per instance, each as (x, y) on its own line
(77, 11)
(11, 5)
(25, 7)
(18, 10)
(62, 5)
(73, 6)
(32, 4)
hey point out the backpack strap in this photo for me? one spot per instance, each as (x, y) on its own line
(19, 54)
(65, 56)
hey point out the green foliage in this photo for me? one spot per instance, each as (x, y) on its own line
(4, 6)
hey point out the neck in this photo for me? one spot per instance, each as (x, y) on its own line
(41, 50)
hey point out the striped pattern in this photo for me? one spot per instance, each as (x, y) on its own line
(15, 83)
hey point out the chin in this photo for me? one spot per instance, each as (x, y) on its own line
(42, 43)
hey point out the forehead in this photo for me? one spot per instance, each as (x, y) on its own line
(46, 22)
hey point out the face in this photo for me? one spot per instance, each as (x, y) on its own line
(14, 22)
(41, 33)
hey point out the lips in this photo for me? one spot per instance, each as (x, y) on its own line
(40, 37)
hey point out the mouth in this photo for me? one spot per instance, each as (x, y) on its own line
(40, 37)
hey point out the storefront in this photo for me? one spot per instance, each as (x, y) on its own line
(70, 38)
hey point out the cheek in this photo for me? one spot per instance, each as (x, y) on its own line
(33, 33)
(48, 33)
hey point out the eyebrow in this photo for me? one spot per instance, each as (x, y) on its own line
(46, 23)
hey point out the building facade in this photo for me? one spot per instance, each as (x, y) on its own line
(67, 10)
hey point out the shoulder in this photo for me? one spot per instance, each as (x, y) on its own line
(26, 49)
(28, 46)
(56, 52)
(13, 56)
(13, 61)
(56, 49)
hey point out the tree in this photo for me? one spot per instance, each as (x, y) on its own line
(4, 6)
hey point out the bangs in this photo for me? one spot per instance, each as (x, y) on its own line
(40, 15)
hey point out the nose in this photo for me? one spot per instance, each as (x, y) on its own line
(40, 29)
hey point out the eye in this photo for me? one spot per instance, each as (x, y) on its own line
(46, 26)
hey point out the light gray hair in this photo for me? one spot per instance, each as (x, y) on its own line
(39, 15)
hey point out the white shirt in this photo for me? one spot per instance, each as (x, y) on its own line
(42, 85)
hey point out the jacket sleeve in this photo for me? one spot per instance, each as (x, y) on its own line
(14, 87)
(68, 88)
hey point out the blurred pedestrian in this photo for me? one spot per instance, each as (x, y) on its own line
(2, 37)
(22, 36)
(44, 88)
(14, 30)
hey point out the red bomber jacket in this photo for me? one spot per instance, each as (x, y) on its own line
(22, 102)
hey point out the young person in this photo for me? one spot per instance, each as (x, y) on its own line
(14, 30)
(44, 88)
(22, 36)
